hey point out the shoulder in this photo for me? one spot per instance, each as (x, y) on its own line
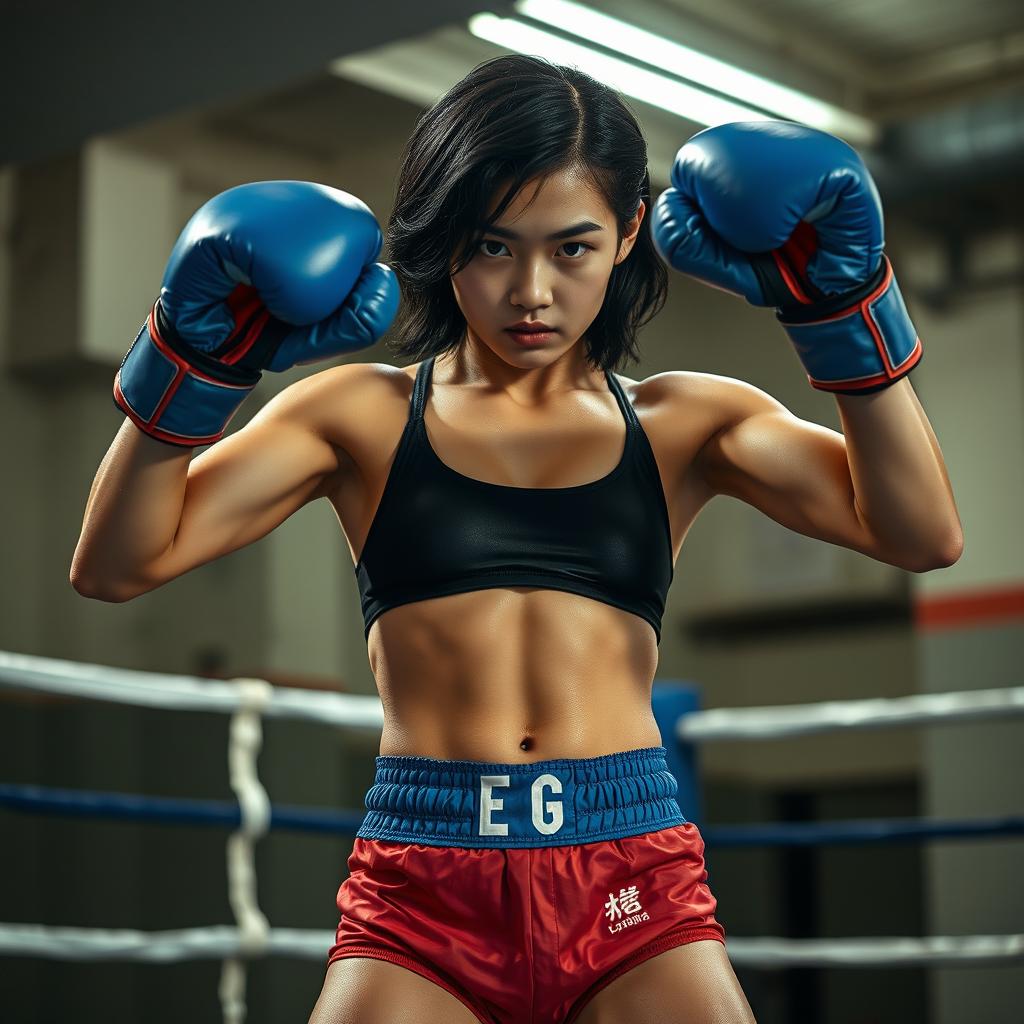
(719, 401)
(691, 415)
(336, 404)
(320, 393)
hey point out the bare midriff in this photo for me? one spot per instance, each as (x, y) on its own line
(513, 675)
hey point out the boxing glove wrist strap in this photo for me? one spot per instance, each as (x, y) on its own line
(858, 342)
(176, 393)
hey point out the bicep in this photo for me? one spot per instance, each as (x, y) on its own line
(249, 482)
(792, 470)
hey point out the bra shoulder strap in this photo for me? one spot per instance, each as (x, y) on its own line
(419, 391)
(623, 399)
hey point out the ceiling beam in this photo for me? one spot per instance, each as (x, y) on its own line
(73, 70)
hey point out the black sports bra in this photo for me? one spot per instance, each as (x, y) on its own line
(437, 532)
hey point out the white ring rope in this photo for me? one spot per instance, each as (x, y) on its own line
(778, 722)
(181, 693)
(155, 689)
(933, 951)
(224, 941)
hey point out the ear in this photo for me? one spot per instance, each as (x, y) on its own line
(632, 229)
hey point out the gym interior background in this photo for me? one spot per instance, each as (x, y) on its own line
(120, 119)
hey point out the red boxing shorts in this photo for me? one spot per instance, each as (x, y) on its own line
(524, 889)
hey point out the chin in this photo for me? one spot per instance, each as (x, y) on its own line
(547, 352)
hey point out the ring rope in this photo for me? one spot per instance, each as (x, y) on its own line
(174, 810)
(768, 953)
(181, 693)
(155, 689)
(775, 722)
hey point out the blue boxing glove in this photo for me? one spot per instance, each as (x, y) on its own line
(266, 275)
(788, 216)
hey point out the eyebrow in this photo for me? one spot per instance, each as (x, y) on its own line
(576, 229)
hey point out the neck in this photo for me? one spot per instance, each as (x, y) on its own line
(474, 364)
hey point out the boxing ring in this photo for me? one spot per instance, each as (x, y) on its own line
(683, 724)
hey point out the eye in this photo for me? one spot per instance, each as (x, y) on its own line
(586, 247)
(493, 241)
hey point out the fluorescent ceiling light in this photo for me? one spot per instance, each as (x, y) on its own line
(766, 99)
(675, 97)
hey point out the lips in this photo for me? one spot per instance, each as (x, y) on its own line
(530, 338)
(529, 328)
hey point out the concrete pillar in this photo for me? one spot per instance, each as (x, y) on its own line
(969, 621)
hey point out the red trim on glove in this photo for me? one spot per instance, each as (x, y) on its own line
(183, 369)
(890, 372)
(792, 257)
(243, 302)
(157, 432)
(867, 382)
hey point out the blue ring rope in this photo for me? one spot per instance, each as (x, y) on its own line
(135, 807)
(860, 831)
(83, 803)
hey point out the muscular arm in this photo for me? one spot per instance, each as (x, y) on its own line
(154, 512)
(132, 512)
(799, 474)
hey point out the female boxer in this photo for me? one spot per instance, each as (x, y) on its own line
(514, 508)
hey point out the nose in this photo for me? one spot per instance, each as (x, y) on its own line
(531, 288)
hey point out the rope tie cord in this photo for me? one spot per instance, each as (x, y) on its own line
(244, 743)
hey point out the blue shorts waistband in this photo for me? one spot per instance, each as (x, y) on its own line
(544, 803)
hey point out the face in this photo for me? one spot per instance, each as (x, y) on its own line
(560, 281)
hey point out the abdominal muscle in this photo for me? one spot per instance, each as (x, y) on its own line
(513, 675)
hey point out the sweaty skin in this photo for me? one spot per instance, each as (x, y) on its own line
(518, 674)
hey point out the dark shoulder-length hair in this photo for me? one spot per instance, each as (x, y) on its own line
(516, 118)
